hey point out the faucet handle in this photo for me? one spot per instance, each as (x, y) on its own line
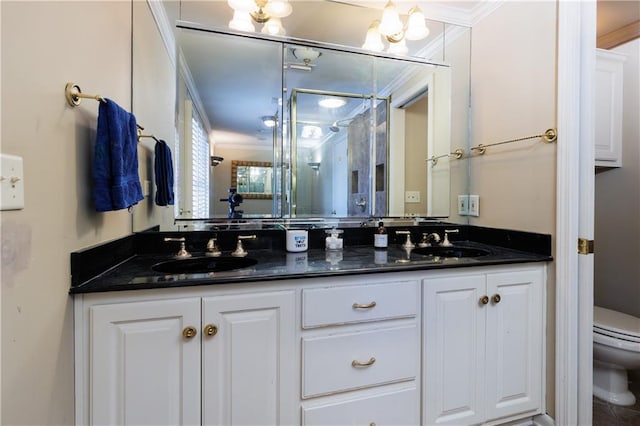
(240, 251)
(446, 242)
(182, 253)
(212, 248)
(407, 244)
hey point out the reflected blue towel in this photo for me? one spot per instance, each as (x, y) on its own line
(116, 184)
(164, 174)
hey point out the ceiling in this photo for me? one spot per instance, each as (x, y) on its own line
(615, 14)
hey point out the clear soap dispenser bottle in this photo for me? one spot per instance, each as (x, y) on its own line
(380, 238)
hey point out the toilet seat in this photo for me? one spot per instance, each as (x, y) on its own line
(615, 324)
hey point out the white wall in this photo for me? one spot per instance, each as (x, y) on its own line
(617, 210)
(45, 45)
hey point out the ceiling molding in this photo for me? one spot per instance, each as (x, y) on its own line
(619, 36)
(483, 9)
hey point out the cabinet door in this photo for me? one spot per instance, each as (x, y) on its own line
(143, 370)
(454, 345)
(514, 343)
(248, 365)
(608, 125)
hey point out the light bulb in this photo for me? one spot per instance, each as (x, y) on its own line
(242, 5)
(278, 8)
(416, 27)
(390, 23)
(241, 22)
(399, 48)
(373, 39)
(273, 27)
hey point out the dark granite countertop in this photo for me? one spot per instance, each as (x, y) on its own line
(130, 262)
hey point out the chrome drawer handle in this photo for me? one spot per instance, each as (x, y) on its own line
(356, 363)
(364, 306)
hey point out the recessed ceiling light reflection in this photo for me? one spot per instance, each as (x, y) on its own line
(311, 132)
(332, 102)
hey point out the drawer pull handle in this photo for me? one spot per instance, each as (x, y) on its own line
(356, 363)
(484, 300)
(364, 306)
(496, 298)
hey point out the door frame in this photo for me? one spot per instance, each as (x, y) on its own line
(574, 212)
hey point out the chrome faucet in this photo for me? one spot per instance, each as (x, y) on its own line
(427, 238)
(407, 244)
(240, 251)
(182, 253)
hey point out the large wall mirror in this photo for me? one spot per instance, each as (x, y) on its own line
(348, 132)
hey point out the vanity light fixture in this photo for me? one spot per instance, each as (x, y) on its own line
(314, 165)
(215, 160)
(267, 12)
(306, 55)
(394, 31)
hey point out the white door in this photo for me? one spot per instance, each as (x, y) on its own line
(248, 364)
(514, 343)
(575, 211)
(454, 347)
(144, 371)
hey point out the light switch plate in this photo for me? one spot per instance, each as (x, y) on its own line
(474, 205)
(463, 205)
(11, 183)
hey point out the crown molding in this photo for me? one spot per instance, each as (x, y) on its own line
(164, 27)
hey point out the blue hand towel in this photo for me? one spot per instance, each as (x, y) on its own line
(164, 174)
(115, 163)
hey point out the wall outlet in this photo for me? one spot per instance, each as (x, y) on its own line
(474, 205)
(412, 196)
(463, 205)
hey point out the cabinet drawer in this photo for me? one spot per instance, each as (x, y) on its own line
(393, 408)
(330, 363)
(358, 303)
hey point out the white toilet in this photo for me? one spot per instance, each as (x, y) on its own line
(616, 349)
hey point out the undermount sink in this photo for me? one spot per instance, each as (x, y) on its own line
(451, 251)
(194, 265)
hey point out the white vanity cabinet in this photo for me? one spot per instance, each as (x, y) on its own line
(219, 360)
(483, 346)
(608, 114)
(402, 348)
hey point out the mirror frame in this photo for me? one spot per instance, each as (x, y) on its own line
(234, 177)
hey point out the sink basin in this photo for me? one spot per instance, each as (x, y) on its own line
(451, 251)
(194, 265)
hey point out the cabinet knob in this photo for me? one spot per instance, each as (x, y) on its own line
(356, 363)
(484, 299)
(189, 332)
(364, 306)
(210, 330)
(496, 298)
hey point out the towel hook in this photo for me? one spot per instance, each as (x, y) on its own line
(73, 93)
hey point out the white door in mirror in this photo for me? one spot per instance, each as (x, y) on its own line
(11, 183)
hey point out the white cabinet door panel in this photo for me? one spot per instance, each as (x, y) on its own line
(248, 365)
(454, 327)
(144, 372)
(514, 359)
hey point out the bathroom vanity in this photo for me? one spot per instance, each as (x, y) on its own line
(312, 338)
